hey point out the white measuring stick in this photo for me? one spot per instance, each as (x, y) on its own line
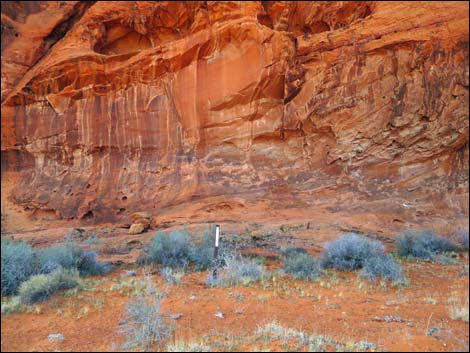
(216, 236)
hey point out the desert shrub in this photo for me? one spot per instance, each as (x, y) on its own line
(55, 257)
(458, 309)
(135, 287)
(202, 254)
(462, 238)
(177, 250)
(41, 287)
(302, 266)
(171, 276)
(17, 264)
(89, 266)
(289, 251)
(173, 250)
(423, 245)
(382, 267)
(20, 261)
(187, 347)
(237, 270)
(11, 305)
(144, 325)
(350, 252)
(69, 256)
(297, 340)
(274, 331)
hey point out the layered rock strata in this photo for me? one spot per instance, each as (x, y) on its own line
(114, 107)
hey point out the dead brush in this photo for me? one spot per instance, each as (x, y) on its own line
(458, 308)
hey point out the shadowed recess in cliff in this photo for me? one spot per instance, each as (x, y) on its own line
(121, 39)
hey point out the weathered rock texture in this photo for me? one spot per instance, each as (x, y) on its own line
(114, 107)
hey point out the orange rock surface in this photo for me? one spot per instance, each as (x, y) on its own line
(109, 108)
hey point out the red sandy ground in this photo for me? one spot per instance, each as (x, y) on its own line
(345, 311)
(342, 308)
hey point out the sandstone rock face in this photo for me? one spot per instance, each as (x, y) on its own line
(114, 107)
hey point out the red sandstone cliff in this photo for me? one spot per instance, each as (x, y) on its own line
(115, 107)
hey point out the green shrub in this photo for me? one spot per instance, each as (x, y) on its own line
(423, 245)
(69, 256)
(202, 254)
(350, 252)
(302, 266)
(382, 267)
(89, 266)
(41, 287)
(11, 305)
(178, 250)
(20, 261)
(173, 250)
(17, 264)
(53, 258)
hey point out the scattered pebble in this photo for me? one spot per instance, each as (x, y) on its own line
(334, 306)
(192, 297)
(433, 331)
(175, 316)
(56, 337)
(238, 296)
(389, 318)
(128, 274)
(219, 314)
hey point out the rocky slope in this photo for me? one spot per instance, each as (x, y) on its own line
(114, 107)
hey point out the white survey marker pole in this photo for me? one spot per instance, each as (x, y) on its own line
(216, 251)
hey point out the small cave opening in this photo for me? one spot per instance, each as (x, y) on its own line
(317, 27)
(425, 118)
(88, 215)
(124, 198)
(120, 39)
(265, 20)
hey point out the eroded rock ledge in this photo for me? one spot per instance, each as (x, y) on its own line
(114, 107)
